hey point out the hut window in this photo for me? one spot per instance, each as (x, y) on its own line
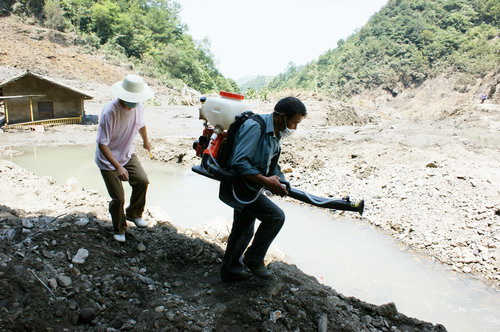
(45, 110)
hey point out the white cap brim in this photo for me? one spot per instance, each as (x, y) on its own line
(132, 97)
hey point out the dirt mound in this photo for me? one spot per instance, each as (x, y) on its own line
(57, 54)
(437, 98)
(322, 110)
(62, 56)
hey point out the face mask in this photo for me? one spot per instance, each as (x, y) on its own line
(130, 105)
(287, 131)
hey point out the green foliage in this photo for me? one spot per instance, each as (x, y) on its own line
(54, 15)
(262, 94)
(6, 7)
(28, 8)
(405, 43)
(256, 84)
(144, 31)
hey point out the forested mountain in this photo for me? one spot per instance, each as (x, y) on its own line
(256, 83)
(405, 43)
(148, 32)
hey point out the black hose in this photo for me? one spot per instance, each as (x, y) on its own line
(336, 204)
(217, 172)
(209, 169)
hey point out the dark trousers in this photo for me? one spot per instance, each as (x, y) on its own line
(272, 219)
(138, 180)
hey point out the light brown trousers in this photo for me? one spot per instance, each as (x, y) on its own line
(139, 181)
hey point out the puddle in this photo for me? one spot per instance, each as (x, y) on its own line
(353, 258)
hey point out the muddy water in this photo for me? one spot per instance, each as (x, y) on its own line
(351, 257)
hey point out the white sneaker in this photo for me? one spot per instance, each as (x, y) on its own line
(119, 237)
(139, 222)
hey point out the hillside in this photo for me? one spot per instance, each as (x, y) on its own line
(61, 57)
(250, 85)
(149, 34)
(450, 46)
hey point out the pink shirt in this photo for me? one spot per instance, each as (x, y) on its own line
(117, 129)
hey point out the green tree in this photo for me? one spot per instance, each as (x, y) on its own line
(54, 15)
(105, 18)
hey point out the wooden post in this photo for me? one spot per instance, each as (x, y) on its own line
(6, 112)
(31, 108)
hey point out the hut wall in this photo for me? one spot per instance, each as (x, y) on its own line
(65, 103)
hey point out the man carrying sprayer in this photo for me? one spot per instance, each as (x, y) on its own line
(255, 157)
(121, 120)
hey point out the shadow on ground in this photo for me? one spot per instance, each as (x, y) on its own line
(158, 280)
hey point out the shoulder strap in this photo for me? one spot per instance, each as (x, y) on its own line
(226, 148)
(261, 122)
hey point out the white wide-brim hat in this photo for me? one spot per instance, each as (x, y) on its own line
(132, 89)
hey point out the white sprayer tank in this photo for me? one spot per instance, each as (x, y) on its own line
(221, 111)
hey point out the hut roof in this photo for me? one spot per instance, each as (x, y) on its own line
(41, 77)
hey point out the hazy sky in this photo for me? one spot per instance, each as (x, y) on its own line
(259, 37)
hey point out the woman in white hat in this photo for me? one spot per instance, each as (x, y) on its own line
(121, 120)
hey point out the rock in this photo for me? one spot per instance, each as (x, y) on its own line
(170, 316)
(119, 283)
(291, 309)
(469, 257)
(7, 234)
(276, 289)
(64, 281)
(431, 165)
(80, 256)
(146, 280)
(287, 168)
(387, 310)
(116, 323)
(323, 323)
(158, 214)
(72, 304)
(83, 221)
(275, 315)
(334, 300)
(87, 315)
(198, 250)
(27, 224)
(73, 185)
(52, 283)
(141, 247)
(160, 309)
(47, 254)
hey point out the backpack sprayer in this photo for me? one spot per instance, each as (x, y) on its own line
(219, 113)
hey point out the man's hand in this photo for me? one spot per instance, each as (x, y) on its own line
(274, 185)
(122, 173)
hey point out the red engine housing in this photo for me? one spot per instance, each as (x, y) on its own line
(214, 146)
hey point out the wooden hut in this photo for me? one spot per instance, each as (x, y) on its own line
(34, 99)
